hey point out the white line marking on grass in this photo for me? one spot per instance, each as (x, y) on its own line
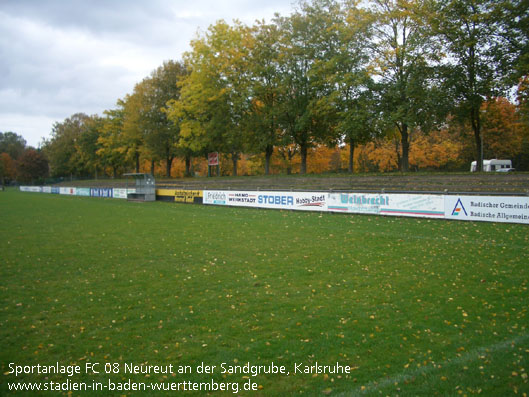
(382, 383)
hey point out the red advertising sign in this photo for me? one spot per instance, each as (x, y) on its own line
(213, 158)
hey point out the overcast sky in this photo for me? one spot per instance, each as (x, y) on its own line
(61, 57)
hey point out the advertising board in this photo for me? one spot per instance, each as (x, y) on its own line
(357, 203)
(83, 191)
(101, 192)
(415, 205)
(33, 189)
(508, 209)
(487, 208)
(68, 190)
(305, 201)
(188, 196)
(121, 193)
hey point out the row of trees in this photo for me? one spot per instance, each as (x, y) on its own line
(19, 161)
(360, 74)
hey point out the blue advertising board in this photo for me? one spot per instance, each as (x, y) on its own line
(101, 192)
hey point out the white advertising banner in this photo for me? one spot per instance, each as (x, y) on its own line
(357, 203)
(511, 209)
(46, 189)
(122, 193)
(305, 201)
(487, 208)
(68, 190)
(33, 189)
(83, 191)
(416, 205)
(473, 208)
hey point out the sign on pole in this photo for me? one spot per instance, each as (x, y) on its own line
(213, 158)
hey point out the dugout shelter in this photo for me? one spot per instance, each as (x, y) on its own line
(144, 185)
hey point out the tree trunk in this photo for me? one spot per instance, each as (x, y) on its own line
(351, 155)
(152, 167)
(405, 164)
(188, 165)
(303, 152)
(268, 155)
(137, 156)
(169, 162)
(476, 127)
(234, 159)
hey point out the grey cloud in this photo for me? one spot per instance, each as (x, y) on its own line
(60, 57)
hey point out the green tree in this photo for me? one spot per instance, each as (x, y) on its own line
(161, 134)
(304, 118)
(350, 91)
(478, 43)
(213, 102)
(87, 144)
(126, 123)
(112, 148)
(12, 144)
(61, 148)
(263, 129)
(514, 17)
(404, 54)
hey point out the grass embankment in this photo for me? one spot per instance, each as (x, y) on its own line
(493, 182)
(412, 306)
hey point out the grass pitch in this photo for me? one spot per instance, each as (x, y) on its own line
(414, 307)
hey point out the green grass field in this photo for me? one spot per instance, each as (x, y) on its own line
(414, 307)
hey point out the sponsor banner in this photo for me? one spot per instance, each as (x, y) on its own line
(33, 189)
(101, 192)
(357, 203)
(121, 193)
(55, 190)
(187, 196)
(165, 192)
(165, 195)
(83, 191)
(416, 205)
(67, 190)
(46, 189)
(307, 201)
(487, 208)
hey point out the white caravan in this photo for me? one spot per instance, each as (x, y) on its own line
(493, 165)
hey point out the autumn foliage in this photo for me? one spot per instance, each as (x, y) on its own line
(357, 86)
